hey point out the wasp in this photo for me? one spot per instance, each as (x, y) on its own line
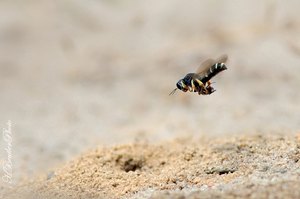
(200, 80)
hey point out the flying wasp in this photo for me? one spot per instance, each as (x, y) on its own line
(200, 81)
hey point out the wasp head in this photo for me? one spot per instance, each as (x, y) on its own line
(182, 86)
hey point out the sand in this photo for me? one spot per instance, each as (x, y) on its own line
(234, 167)
(86, 83)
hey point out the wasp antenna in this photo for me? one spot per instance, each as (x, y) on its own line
(173, 91)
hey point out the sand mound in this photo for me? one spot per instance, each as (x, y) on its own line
(239, 167)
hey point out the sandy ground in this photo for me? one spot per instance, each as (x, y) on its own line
(240, 167)
(83, 75)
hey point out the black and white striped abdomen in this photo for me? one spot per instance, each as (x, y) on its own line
(213, 71)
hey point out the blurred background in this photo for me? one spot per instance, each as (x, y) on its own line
(78, 74)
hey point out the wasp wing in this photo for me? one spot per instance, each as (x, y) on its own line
(222, 59)
(204, 66)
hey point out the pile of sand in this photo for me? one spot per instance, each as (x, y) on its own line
(247, 166)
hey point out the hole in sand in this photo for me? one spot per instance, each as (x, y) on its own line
(220, 170)
(132, 165)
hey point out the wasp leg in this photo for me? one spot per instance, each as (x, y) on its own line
(208, 88)
(200, 83)
(191, 88)
(193, 85)
(203, 89)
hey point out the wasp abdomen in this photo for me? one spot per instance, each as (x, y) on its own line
(213, 71)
